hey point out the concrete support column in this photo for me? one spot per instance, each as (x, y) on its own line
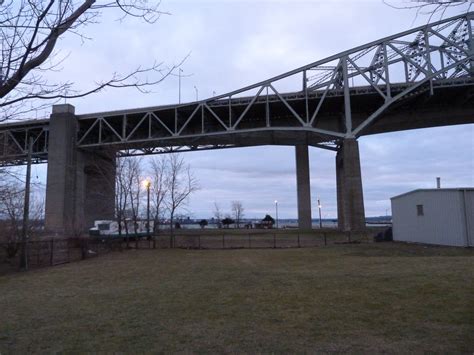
(303, 187)
(60, 207)
(350, 199)
(80, 185)
(98, 186)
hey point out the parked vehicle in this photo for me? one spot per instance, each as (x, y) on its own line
(110, 229)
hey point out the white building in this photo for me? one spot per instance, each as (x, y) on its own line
(434, 216)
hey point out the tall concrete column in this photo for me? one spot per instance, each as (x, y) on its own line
(80, 184)
(303, 187)
(350, 199)
(60, 186)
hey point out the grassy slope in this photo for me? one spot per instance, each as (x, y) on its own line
(390, 297)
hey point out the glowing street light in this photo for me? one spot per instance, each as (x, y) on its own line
(147, 185)
(276, 212)
(319, 207)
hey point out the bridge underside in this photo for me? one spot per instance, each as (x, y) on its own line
(445, 106)
(136, 132)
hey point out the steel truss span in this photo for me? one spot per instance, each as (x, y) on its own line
(408, 80)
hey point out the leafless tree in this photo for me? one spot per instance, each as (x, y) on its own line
(238, 212)
(128, 194)
(30, 31)
(133, 178)
(218, 215)
(180, 184)
(159, 173)
(121, 196)
(11, 211)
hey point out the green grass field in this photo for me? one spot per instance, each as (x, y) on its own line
(360, 298)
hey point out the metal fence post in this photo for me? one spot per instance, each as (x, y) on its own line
(38, 255)
(83, 245)
(68, 253)
(51, 255)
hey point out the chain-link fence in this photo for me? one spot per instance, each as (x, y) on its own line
(251, 240)
(50, 252)
(54, 251)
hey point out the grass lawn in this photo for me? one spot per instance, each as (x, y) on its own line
(360, 298)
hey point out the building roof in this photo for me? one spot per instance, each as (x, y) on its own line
(434, 190)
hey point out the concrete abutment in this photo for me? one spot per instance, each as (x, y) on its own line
(80, 184)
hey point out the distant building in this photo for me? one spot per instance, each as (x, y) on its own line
(434, 216)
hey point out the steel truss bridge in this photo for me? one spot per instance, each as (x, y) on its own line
(422, 77)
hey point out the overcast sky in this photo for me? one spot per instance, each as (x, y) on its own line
(232, 44)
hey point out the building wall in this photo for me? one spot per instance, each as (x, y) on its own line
(469, 200)
(443, 221)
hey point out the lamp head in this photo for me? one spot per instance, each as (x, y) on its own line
(146, 183)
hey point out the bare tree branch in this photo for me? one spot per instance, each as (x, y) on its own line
(180, 184)
(29, 34)
(431, 8)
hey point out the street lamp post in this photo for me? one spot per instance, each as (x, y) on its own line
(276, 212)
(319, 208)
(147, 184)
(179, 85)
(197, 93)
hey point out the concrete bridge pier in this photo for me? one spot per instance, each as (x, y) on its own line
(350, 199)
(303, 187)
(80, 184)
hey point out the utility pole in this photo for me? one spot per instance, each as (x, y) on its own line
(26, 210)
